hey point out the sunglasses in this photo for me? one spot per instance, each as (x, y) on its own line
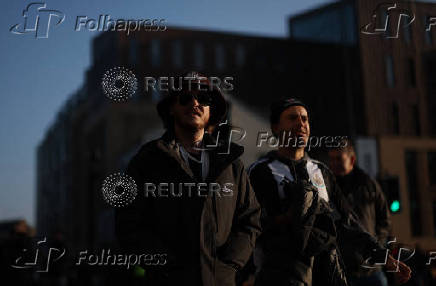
(203, 98)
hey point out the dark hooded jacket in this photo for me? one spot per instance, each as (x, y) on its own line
(205, 239)
(369, 204)
(305, 218)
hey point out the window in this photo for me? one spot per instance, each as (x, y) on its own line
(431, 161)
(389, 66)
(407, 35)
(155, 53)
(219, 57)
(395, 118)
(416, 121)
(412, 187)
(198, 55)
(240, 55)
(411, 73)
(178, 54)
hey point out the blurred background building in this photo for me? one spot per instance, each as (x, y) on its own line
(397, 100)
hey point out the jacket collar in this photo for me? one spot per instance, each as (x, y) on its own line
(221, 154)
(274, 155)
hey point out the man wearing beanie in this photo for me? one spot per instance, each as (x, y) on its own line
(305, 218)
(207, 230)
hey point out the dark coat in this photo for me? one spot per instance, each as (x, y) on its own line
(206, 239)
(302, 232)
(369, 204)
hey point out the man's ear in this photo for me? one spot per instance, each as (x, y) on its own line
(353, 159)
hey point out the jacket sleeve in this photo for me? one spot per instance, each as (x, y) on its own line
(349, 228)
(246, 225)
(134, 224)
(382, 219)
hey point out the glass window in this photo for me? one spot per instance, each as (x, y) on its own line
(411, 73)
(332, 25)
(198, 55)
(219, 57)
(240, 55)
(407, 34)
(177, 54)
(389, 66)
(416, 121)
(155, 52)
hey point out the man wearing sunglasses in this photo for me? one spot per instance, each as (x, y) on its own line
(206, 237)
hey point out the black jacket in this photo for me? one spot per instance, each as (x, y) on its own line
(302, 231)
(369, 204)
(206, 239)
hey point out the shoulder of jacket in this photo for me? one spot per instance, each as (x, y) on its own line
(321, 165)
(261, 162)
(146, 149)
(237, 164)
(364, 179)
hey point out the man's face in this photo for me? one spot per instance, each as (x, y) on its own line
(190, 114)
(341, 162)
(294, 122)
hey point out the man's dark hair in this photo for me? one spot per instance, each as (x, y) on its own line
(345, 146)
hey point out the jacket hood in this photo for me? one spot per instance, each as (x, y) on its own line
(221, 153)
